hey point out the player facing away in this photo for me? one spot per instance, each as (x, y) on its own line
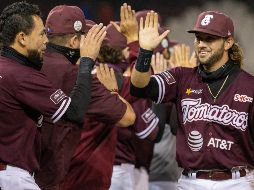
(214, 104)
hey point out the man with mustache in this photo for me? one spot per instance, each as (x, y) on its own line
(214, 104)
(26, 95)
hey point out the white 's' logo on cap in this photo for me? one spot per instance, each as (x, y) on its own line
(205, 21)
(77, 25)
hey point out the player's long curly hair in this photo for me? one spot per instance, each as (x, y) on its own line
(109, 54)
(236, 53)
(16, 18)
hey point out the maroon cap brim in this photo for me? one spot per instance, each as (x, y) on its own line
(205, 31)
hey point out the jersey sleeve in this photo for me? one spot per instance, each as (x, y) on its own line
(167, 82)
(146, 124)
(104, 106)
(37, 93)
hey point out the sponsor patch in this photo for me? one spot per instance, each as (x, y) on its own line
(242, 98)
(195, 141)
(148, 115)
(189, 91)
(57, 96)
(220, 143)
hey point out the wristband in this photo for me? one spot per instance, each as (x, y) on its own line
(144, 60)
(86, 65)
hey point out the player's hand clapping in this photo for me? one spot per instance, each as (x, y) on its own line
(159, 63)
(91, 44)
(107, 77)
(128, 24)
(181, 57)
(149, 37)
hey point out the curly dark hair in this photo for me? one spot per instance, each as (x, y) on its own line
(109, 54)
(15, 18)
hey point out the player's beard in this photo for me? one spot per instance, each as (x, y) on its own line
(214, 58)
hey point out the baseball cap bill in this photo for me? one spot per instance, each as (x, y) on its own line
(214, 23)
(65, 19)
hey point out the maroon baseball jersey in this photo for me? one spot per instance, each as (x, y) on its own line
(92, 163)
(211, 134)
(59, 141)
(26, 95)
(145, 126)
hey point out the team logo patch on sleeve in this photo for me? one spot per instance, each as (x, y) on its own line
(57, 96)
(148, 115)
(168, 77)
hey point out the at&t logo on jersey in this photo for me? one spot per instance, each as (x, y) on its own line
(220, 143)
(193, 110)
(195, 141)
(242, 98)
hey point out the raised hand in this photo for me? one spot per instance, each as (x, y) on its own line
(149, 37)
(107, 77)
(128, 24)
(181, 57)
(159, 63)
(91, 44)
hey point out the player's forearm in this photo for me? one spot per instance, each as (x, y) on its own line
(141, 74)
(81, 93)
(129, 117)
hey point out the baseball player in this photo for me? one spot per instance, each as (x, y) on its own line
(214, 105)
(66, 167)
(27, 96)
(145, 126)
(64, 25)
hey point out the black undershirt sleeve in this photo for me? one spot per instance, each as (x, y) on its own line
(150, 91)
(81, 93)
(161, 112)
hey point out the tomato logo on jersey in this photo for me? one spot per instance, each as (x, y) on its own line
(242, 98)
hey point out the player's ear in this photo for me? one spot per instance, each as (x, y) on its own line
(21, 39)
(74, 42)
(229, 43)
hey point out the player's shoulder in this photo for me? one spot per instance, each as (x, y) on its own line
(185, 70)
(246, 75)
(246, 80)
(55, 58)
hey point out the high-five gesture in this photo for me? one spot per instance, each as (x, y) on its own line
(159, 63)
(149, 37)
(181, 57)
(91, 44)
(129, 24)
(107, 77)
